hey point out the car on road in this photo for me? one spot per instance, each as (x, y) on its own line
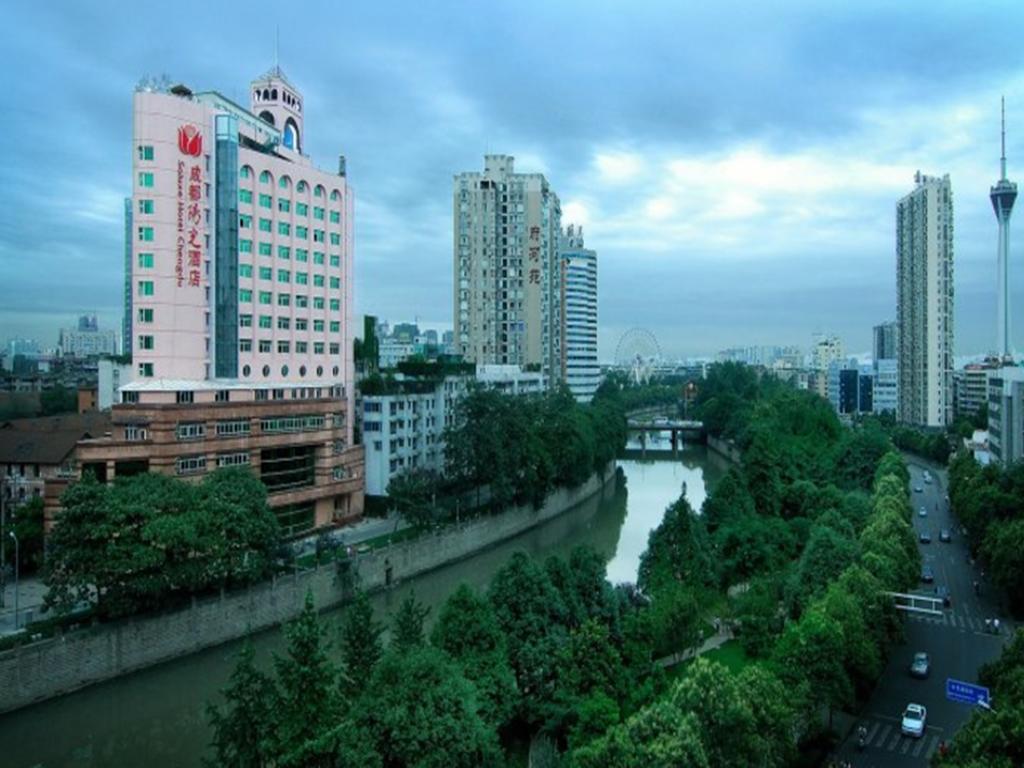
(921, 665)
(924, 537)
(914, 718)
(945, 536)
(918, 489)
(922, 512)
(928, 479)
(942, 593)
(927, 574)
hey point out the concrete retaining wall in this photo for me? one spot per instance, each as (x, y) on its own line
(725, 448)
(74, 660)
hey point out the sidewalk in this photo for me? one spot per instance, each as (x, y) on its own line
(717, 640)
(31, 592)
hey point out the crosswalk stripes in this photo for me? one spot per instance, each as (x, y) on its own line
(932, 747)
(955, 620)
(893, 741)
(883, 737)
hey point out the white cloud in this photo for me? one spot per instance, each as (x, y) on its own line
(618, 167)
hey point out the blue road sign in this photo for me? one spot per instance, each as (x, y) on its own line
(966, 693)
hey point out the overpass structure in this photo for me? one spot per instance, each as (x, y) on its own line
(680, 429)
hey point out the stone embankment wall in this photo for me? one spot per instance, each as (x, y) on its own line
(725, 448)
(76, 659)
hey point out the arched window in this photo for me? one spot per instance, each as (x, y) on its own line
(302, 187)
(267, 117)
(335, 195)
(318, 191)
(265, 177)
(266, 93)
(244, 172)
(291, 135)
(273, 93)
(284, 182)
(256, 95)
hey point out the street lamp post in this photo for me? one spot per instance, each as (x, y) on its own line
(17, 558)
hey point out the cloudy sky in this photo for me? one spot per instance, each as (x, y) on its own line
(735, 166)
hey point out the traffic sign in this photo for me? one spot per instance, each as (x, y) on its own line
(966, 693)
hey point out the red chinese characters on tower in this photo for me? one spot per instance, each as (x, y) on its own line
(191, 212)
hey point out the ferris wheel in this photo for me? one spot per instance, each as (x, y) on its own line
(638, 352)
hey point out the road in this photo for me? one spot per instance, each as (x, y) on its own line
(956, 641)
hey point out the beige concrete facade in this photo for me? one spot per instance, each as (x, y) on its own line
(507, 277)
(296, 440)
(924, 293)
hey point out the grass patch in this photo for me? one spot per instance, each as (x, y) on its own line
(730, 655)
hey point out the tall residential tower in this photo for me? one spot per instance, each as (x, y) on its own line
(924, 293)
(1003, 195)
(507, 276)
(579, 305)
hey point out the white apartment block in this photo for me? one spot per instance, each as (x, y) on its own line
(507, 303)
(1006, 415)
(579, 305)
(405, 430)
(924, 289)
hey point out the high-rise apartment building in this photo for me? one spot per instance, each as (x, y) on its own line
(924, 289)
(827, 350)
(579, 307)
(884, 342)
(507, 276)
(240, 301)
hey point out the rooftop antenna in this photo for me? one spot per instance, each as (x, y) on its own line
(1002, 158)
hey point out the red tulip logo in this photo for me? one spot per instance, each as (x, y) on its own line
(190, 140)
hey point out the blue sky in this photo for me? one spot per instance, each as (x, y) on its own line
(735, 166)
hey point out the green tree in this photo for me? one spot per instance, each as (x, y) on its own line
(678, 550)
(590, 682)
(243, 730)
(308, 705)
(809, 658)
(413, 493)
(759, 613)
(533, 618)
(423, 713)
(725, 720)
(467, 630)
(360, 646)
(408, 629)
(656, 736)
(827, 554)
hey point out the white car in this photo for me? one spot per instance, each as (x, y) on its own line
(914, 717)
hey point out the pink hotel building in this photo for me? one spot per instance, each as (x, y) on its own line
(239, 305)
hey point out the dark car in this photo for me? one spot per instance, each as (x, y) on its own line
(918, 489)
(924, 537)
(943, 594)
(927, 574)
(945, 536)
(920, 666)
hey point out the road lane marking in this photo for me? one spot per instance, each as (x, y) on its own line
(882, 738)
(906, 746)
(931, 748)
(917, 747)
(893, 742)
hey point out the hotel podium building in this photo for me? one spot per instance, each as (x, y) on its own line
(239, 303)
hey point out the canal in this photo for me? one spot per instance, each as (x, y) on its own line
(156, 717)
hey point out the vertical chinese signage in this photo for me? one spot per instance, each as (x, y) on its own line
(189, 255)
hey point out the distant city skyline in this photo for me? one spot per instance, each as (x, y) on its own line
(737, 177)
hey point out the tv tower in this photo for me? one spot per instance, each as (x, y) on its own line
(1003, 195)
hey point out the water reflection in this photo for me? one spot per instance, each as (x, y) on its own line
(156, 717)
